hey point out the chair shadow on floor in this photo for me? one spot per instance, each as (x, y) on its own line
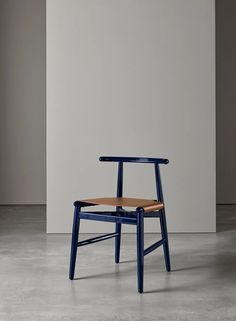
(130, 270)
(117, 272)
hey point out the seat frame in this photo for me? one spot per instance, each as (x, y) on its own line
(121, 216)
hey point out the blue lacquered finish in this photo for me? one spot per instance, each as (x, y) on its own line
(133, 159)
(118, 225)
(140, 250)
(164, 232)
(96, 239)
(121, 216)
(74, 242)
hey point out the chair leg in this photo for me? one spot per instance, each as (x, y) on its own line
(166, 243)
(140, 250)
(117, 243)
(74, 242)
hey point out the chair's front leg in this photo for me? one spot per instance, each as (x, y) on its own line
(164, 233)
(117, 242)
(74, 242)
(140, 249)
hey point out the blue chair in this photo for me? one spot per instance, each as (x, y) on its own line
(144, 208)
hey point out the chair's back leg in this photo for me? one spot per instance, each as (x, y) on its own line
(118, 225)
(166, 243)
(162, 218)
(140, 250)
(74, 242)
(117, 243)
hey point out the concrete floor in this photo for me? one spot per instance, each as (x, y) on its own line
(34, 266)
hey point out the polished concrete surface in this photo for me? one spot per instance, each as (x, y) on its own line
(35, 287)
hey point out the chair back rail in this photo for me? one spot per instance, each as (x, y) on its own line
(133, 159)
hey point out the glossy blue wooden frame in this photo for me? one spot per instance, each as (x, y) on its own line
(134, 160)
(121, 216)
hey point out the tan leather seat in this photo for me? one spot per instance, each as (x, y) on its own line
(147, 205)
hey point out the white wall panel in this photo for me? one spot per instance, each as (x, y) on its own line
(132, 78)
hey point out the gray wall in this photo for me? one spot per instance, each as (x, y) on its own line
(226, 100)
(133, 78)
(22, 101)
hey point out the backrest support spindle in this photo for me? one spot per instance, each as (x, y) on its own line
(120, 182)
(158, 183)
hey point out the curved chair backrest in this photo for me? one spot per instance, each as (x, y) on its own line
(121, 160)
(133, 160)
